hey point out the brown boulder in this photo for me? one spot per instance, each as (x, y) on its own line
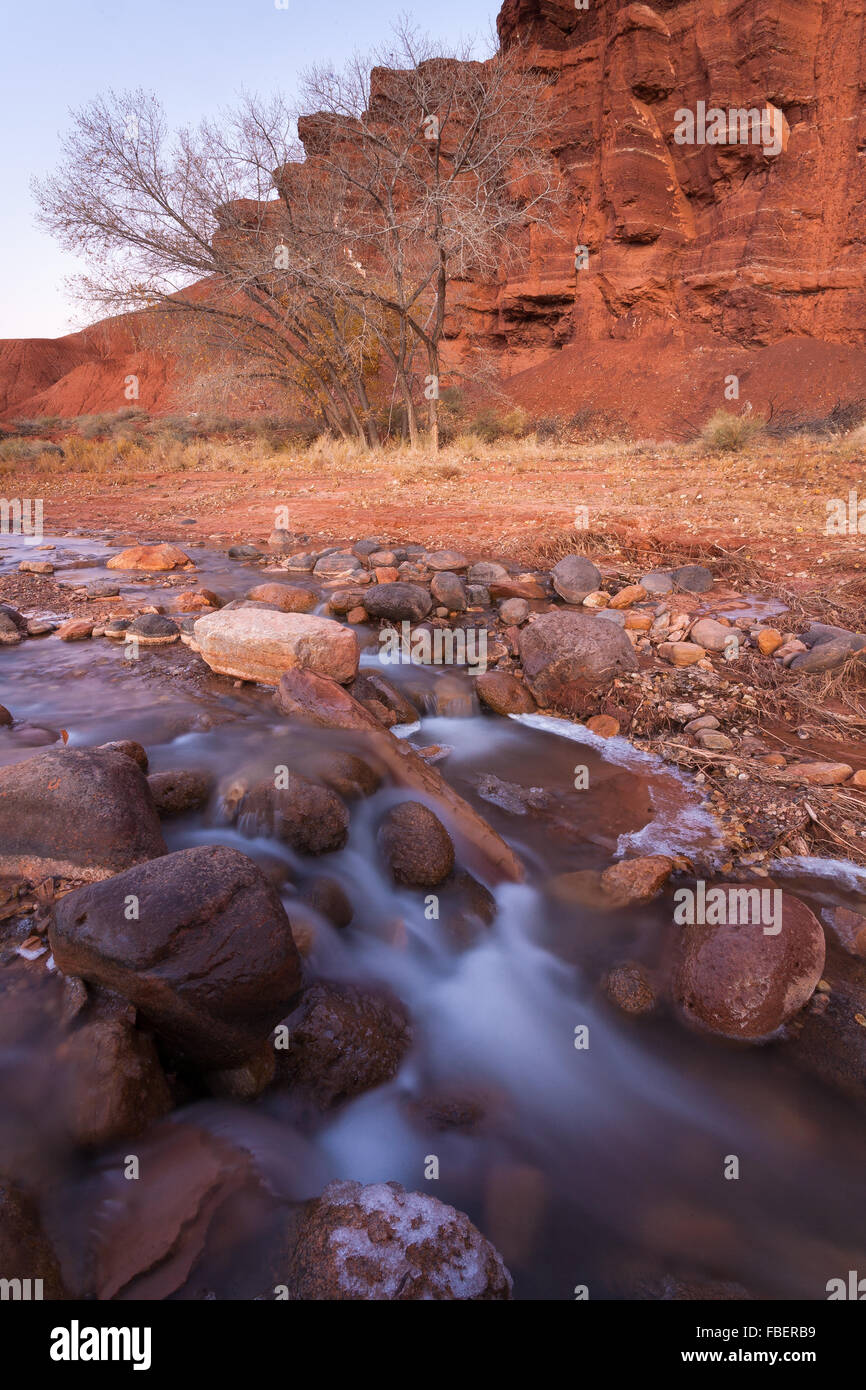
(504, 693)
(415, 845)
(343, 1041)
(381, 1243)
(571, 658)
(76, 813)
(309, 818)
(150, 557)
(636, 880)
(260, 644)
(112, 1085)
(186, 789)
(740, 981)
(288, 598)
(198, 941)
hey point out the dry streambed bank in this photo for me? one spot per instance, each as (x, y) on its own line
(390, 941)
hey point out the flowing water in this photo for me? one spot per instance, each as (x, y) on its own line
(597, 1166)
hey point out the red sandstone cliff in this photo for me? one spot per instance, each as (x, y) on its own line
(701, 259)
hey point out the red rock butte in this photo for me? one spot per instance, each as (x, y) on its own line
(700, 260)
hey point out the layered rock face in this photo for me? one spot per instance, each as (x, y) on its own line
(753, 246)
(674, 264)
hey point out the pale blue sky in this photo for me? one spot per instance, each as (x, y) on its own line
(195, 54)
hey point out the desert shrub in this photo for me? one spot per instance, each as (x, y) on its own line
(725, 432)
(20, 450)
(491, 425)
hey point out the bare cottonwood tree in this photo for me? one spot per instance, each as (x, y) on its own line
(444, 165)
(323, 265)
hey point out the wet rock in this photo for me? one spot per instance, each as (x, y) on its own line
(40, 627)
(466, 915)
(398, 602)
(695, 579)
(5, 717)
(449, 590)
(209, 960)
(574, 577)
(116, 629)
(196, 601)
(11, 621)
(371, 686)
(36, 567)
(112, 1084)
(514, 610)
(260, 644)
(343, 600)
(328, 897)
(283, 540)
(76, 630)
(186, 789)
(636, 880)
(339, 562)
(76, 813)
(629, 987)
(243, 552)
(302, 563)
(657, 582)
(129, 748)
(342, 1041)
(150, 558)
(246, 1081)
(415, 845)
(25, 1251)
(604, 725)
(381, 1243)
(571, 658)
(504, 693)
(309, 818)
(349, 775)
(287, 598)
(153, 630)
(741, 982)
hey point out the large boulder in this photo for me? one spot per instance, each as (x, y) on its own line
(416, 846)
(504, 693)
(574, 577)
(571, 658)
(309, 818)
(288, 598)
(150, 557)
(198, 941)
(112, 1084)
(381, 1243)
(76, 813)
(742, 981)
(343, 1041)
(398, 602)
(259, 644)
